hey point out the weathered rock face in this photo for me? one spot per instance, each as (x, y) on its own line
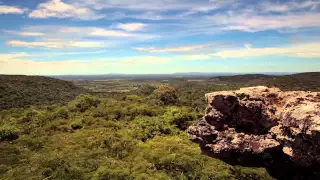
(260, 126)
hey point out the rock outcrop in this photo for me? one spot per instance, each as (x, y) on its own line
(263, 127)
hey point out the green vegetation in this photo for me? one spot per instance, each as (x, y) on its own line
(123, 129)
(9, 133)
(302, 81)
(166, 95)
(104, 138)
(23, 91)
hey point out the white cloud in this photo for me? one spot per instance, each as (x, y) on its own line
(108, 33)
(254, 23)
(134, 5)
(20, 63)
(288, 6)
(31, 34)
(56, 44)
(154, 10)
(25, 33)
(11, 10)
(13, 55)
(131, 26)
(68, 53)
(248, 46)
(151, 5)
(90, 31)
(75, 37)
(31, 67)
(310, 50)
(16, 64)
(172, 49)
(59, 9)
(73, 32)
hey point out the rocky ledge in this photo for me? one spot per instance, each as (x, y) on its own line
(263, 127)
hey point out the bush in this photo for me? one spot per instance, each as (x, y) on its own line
(144, 128)
(244, 173)
(28, 116)
(181, 159)
(83, 103)
(145, 90)
(59, 168)
(32, 143)
(61, 113)
(166, 95)
(181, 117)
(135, 110)
(76, 124)
(105, 173)
(118, 145)
(122, 110)
(59, 125)
(133, 98)
(8, 133)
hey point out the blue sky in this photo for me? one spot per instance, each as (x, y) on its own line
(50, 37)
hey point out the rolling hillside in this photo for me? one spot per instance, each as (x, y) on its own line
(22, 91)
(309, 81)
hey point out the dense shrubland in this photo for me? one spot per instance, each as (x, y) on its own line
(134, 137)
(23, 91)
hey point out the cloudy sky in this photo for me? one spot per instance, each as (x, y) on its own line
(50, 37)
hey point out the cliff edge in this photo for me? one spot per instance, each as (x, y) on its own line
(263, 127)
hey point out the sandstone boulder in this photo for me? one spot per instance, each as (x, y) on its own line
(265, 127)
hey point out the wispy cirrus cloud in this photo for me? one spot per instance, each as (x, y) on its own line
(56, 44)
(173, 49)
(252, 22)
(68, 53)
(108, 33)
(24, 33)
(309, 50)
(12, 10)
(31, 34)
(150, 5)
(58, 37)
(73, 32)
(131, 26)
(268, 6)
(14, 55)
(59, 9)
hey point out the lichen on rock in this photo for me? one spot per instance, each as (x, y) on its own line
(265, 127)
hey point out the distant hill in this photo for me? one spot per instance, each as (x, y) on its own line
(309, 81)
(189, 75)
(21, 91)
(302, 81)
(245, 78)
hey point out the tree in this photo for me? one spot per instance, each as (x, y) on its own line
(181, 117)
(145, 90)
(83, 103)
(166, 95)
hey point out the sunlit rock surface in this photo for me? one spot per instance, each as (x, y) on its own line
(263, 127)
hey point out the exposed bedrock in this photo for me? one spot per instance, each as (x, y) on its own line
(263, 127)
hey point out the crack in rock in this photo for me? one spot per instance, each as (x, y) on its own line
(263, 127)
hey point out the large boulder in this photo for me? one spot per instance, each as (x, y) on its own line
(264, 127)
